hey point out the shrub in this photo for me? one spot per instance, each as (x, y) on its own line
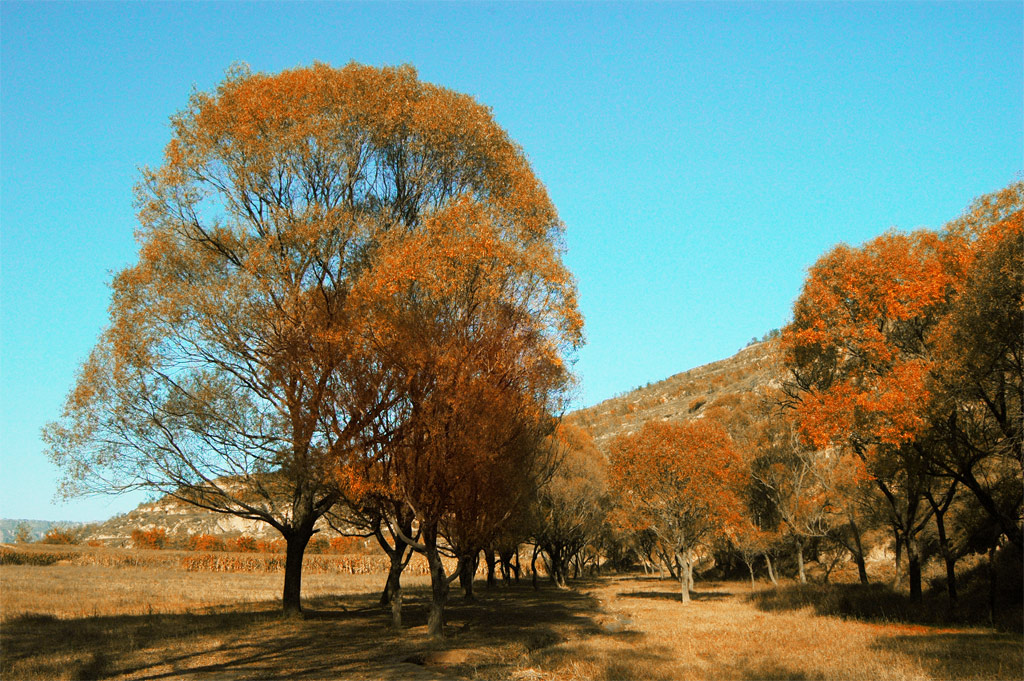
(345, 545)
(150, 539)
(245, 543)
(317, 545)
(60, 535)
(206, 542)
(271, 546)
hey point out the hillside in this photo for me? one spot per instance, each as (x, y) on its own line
(684, 396)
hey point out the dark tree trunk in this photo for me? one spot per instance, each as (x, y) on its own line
(858, 553)
(467, 571)
(295, 548)
(947, 552)
(393, 585)
(533, 566)
(517, 570)
(992, 586)
(489, 558)
(914, 569)
(438, 584)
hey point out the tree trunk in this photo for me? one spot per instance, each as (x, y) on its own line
(684, 580)
(516, 558)
(800, 560)
(897, 578)
(992, 586)
(491, 563)
(488, 557)
(750, 566)
(947, 552)
(858, 553)
(467, 571)
(533, 566)
(771, 573)
(438, 584)
(914, 569)
(295, 548)
(688, 566)
(393, 585)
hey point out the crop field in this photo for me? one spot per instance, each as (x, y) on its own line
(148, 620)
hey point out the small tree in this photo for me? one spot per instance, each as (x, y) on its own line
(22, 533)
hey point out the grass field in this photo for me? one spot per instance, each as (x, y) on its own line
(67, 621)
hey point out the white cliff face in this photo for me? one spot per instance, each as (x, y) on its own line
(181, 520)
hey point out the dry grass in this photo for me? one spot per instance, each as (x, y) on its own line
(72, 621)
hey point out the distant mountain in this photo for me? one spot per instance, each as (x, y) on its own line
(725, 386)
(37, 528)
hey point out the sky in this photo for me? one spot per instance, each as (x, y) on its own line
(701, 155)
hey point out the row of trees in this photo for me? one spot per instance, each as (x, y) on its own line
(908, 353)
(899, 421)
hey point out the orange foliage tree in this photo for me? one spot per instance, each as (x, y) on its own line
(468, 311)
(680, 481)
(860, 356)
(907, 350)
(244, 361)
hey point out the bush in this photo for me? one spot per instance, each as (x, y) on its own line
(345, 545)
(318, 545)
(149, 539)
(206, 542)
(245, 544)
(271, 546)
(60, 535)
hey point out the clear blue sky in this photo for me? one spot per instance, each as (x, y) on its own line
(702, 155)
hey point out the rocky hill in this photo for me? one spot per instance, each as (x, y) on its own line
(724, 386)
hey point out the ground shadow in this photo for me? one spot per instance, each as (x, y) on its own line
(972, 655)
(675, 595)
(347, 636)
(872, 603)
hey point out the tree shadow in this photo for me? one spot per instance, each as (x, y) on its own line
(347, 636)
(675, 595)
(867, 603)
(963, 655)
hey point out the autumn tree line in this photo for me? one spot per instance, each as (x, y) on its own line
(350, 306)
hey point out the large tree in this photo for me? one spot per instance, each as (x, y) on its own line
(239, 370)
